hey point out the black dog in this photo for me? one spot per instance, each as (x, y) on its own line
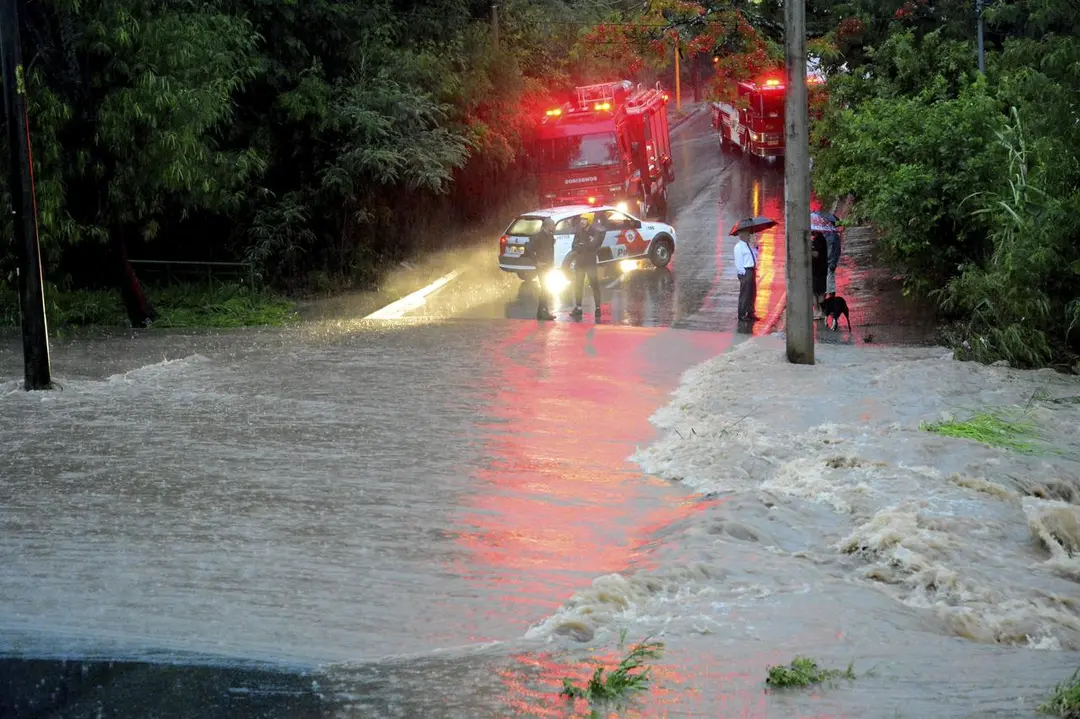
(833, 307)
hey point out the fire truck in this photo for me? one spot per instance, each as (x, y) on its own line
(754, 121)
(609, 146)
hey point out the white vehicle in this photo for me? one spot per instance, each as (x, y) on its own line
(627, 243)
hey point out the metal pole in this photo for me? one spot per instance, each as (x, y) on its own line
(495, 24)
(979, 16)
(35, 332)
(678, 75)
(800, 322)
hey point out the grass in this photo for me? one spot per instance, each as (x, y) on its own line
(989, 428)
(1065, 701)
(804, 672)
(178, 306)
(220, 306)
(629, 676)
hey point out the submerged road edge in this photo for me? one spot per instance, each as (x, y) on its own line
(414, 300)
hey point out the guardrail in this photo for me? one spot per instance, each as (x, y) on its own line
(193, 268)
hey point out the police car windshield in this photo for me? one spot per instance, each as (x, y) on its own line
(599, 149)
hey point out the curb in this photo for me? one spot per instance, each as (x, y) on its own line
(682, 120)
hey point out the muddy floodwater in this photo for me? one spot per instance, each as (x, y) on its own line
(243, 506)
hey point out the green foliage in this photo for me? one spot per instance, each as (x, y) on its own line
(221, 306)
(804, 672)
(1065, 701)
(912, 162)
(187, 306)
(621, 681)
(989, 428)
(1023, 297)
(973, 182)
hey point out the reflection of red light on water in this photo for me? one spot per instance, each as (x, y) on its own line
(772, 243)
(558, 502)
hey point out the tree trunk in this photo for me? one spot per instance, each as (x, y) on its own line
(139, 310)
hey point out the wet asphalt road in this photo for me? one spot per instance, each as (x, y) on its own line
(346, 492)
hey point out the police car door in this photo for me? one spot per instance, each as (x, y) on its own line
(564, 239)
(622, 240)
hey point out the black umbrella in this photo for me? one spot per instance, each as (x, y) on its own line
(752, 224)
(828, 216)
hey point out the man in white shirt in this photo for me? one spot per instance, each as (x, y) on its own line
(746, 257)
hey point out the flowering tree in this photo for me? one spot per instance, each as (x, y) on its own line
(645, 42)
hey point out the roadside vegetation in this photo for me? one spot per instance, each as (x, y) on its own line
(1065, 701)
(804, 672)
(971, 180)
(629, 676)
(177, 306)
(992, 428)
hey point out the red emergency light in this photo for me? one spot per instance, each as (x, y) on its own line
(592, 200)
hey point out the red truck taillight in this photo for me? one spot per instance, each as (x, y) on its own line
(502, 245)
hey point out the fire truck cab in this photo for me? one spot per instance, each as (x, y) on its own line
(754, 121)
(610, 146)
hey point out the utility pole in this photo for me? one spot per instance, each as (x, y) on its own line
(678, 75)
(38, 373)
(799, 321)
(495, 24)
(979, 16)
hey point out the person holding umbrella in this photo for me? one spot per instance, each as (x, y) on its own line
(820, 226)
(829, 223)
(746, 260)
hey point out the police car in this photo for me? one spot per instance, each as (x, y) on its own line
(628, 241)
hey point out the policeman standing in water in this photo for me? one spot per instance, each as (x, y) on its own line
(587, 241)
(542, 249)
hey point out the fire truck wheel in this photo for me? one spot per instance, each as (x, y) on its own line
(660, 252)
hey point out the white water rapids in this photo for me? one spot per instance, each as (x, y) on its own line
(841, 530)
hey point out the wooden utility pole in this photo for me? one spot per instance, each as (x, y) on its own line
(799, 321)
(35, 332)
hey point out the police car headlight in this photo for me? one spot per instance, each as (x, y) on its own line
(555, 280)
(622, 207)
(628, 266)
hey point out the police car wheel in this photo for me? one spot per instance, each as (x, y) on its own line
(660, 252)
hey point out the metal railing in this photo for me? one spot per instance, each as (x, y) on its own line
(245, 271)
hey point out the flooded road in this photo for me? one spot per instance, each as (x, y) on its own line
(443, 514)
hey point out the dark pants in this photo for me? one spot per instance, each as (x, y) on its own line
(580, 271)
(747, 294)
(543, 305)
